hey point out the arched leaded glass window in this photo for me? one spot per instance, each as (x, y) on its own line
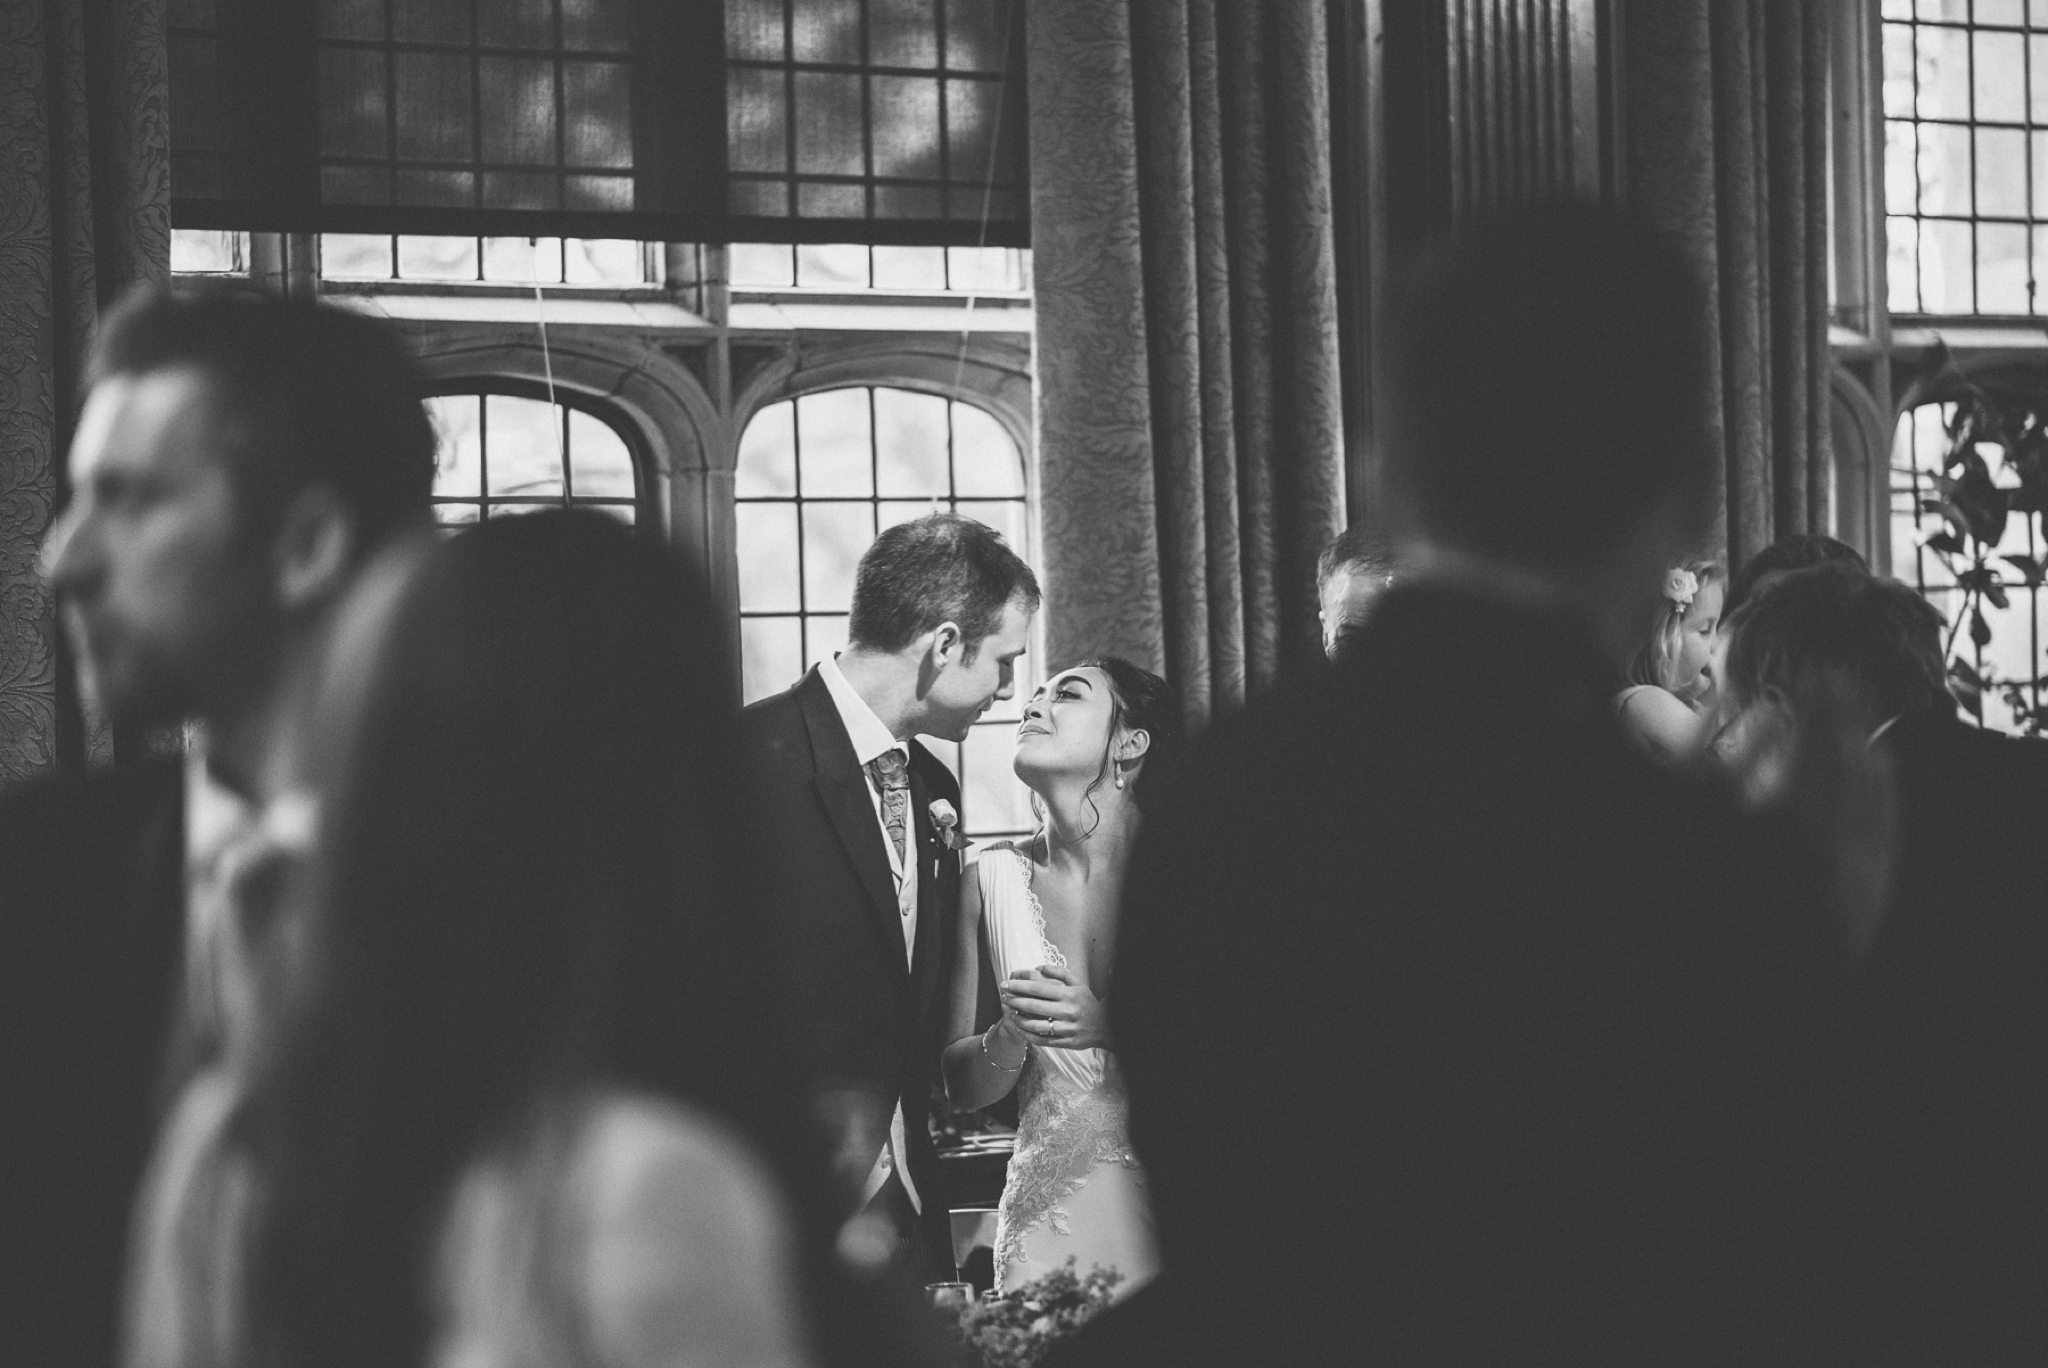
(505, 453)
(818, 477)
(1966, 156)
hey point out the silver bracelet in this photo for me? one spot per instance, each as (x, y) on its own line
(989, 1054)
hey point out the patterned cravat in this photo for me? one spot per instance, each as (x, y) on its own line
(891, 774)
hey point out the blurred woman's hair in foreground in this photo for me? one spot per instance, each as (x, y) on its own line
(524, 887)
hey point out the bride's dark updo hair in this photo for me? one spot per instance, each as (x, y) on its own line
(1139, 701)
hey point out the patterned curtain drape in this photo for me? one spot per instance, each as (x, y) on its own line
(1726, 129)
(84, 213)
(1190, 429)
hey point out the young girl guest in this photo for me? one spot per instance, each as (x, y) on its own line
(1669, 698)
(1090, 747)
(518, 1108)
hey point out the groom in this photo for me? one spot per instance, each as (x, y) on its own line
(861, 873)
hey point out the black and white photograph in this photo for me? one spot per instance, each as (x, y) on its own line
(1023, 683)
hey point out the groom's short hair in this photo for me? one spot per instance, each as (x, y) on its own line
(938, 568)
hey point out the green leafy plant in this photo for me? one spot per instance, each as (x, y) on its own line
(1018, 1329)
(1976, 509)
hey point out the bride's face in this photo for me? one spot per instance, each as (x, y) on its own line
(1065, 728)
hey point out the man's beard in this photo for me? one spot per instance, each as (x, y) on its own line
(142, 705)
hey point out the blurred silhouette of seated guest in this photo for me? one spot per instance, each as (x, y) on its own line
(1457, 1031)
(1951, 1040)
(1668, 704)
(238, 459)
(1351, 574)
(1795, 551)
(519, 1106)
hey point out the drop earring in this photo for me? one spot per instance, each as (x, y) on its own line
(1119, 777)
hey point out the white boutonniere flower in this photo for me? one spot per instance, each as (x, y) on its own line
(1680, 586)
(946, 822)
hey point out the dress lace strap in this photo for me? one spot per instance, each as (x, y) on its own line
(1052, 953)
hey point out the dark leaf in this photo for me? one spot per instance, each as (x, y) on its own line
(1967, 688)
(1946, 542)
(2029, 568)
(1975, 578)
(1996, 593)
(2029, 457)
(1980, 630)
(1983, 504)
(1939, 358)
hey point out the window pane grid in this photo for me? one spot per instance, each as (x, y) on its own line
(1966, 125)
(604, 263)
(818, 76)
(802, 531)
(482, 156)
(855, 267)
(492, 427)
(2014, 656)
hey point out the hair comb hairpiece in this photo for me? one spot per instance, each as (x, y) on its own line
(1681, 586)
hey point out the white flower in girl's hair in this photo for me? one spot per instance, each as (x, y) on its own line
(1680, 586)
(947, 823)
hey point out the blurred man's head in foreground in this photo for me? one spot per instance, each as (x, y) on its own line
(1549, 413)
(237, 457)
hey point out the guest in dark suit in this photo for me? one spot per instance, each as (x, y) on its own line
(237, 459)
(859, 869)
(1949, 1201)
(1455, 1031)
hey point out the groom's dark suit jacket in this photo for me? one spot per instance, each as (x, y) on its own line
(91, 927)
(864, 1020)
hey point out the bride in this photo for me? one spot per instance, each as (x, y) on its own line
(1027, 1010)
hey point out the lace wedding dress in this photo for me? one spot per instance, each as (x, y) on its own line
(1074, 1187)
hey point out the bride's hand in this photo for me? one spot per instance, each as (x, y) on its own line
(1054, 1009)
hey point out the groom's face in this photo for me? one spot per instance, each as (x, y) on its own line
(973, 680)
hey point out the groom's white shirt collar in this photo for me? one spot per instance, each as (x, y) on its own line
(869, 736)
(216, 816)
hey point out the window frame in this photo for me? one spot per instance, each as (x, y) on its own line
(647, 519)
(988, 377)
(1889, 364)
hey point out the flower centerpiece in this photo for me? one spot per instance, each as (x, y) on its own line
(1019, 1328)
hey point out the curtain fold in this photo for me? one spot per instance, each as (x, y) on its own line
(84, 213)
(1726, 148)
(1190, 429)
